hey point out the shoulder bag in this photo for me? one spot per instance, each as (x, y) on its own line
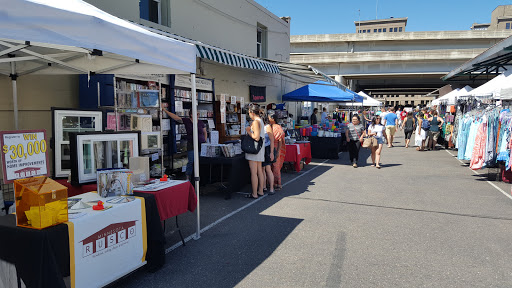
(251, 146)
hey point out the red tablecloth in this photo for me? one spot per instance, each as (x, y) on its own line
(293, 155)
(175, 200)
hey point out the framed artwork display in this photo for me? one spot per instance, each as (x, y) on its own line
(66, 121)
(92, 151)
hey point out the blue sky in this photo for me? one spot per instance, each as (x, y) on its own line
(338, 16)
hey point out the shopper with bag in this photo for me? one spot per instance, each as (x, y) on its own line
(255, 134)
(408, 127)
(378, 131)
(354, 133)
(421, 133)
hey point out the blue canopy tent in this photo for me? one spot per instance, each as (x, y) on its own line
(321, 91)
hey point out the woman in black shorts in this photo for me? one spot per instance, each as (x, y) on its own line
(408, 127)
(270, 154)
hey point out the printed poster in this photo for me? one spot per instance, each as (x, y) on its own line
(24, 154)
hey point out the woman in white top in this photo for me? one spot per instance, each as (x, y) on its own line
(378, 131)
(256, 131)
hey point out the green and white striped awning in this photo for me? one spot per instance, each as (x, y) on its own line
(234, 59)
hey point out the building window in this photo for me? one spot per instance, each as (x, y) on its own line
(374, 30)
(261, 41)
(507, 26)
(406, 102)
(384, 30)
(151, 10)
(368, 30)
(400, 29)
(364, 31)
(412, 103)
(380, 30)
(395, 29)
(422, 102)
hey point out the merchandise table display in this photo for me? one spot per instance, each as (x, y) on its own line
(17, 248)
(233, 169)
(173, 201)
(296, 152)
(325, 148)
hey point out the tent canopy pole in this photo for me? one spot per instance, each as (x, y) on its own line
(196, 152)
(14, 77)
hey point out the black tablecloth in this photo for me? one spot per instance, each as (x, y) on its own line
(41, 257)
(155, 256)
(236, 172)
(325, 147)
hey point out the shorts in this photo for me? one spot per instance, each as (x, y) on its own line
(267, 161)
(408, 134)
(434, 135)
(390, 130)
(380, 140)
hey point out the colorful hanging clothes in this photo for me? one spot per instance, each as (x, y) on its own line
(479, 150)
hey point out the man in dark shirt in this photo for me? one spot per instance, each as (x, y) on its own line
(313, 116)
(201, 136)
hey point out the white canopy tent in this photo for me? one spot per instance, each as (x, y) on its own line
(367, 101)
(446, 97)
(74, 37)
(493, 87)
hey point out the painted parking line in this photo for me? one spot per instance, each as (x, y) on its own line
(490, 183)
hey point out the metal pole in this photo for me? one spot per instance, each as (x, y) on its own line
(196, 151)
(14, 76)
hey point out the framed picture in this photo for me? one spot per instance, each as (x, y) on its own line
(92, 151)
(66, 121)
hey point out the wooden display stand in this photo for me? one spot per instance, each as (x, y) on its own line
(231, 115)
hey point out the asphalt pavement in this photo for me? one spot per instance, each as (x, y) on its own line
(423, 220)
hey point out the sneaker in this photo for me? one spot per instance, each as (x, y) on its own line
(354, 165)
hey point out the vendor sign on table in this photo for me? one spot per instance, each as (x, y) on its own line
(106, 245)
(24, 154)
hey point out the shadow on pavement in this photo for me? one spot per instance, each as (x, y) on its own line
(230, 251)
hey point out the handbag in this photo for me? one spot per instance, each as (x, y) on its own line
(251, 146)
(370, 142)
(367, 142)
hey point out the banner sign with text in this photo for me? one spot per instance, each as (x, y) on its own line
(106, 245)
(258, 94)
(24, 154)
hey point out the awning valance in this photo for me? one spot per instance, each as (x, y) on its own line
(234, 59)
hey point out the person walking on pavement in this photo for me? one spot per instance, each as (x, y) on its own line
(354, 133)
(408, 127)
(313, 117)
(436, 123)
(391, 123)
(377, 130)
(421, 134)
(201, 136)
(256, 131)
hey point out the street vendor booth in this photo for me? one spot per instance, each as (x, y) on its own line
(325, 138)
(95, 238)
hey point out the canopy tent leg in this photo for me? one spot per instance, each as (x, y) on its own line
(196, 152)
(14, 77)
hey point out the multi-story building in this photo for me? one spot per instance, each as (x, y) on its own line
(398, 68)
(390, 25)
(501, 19)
